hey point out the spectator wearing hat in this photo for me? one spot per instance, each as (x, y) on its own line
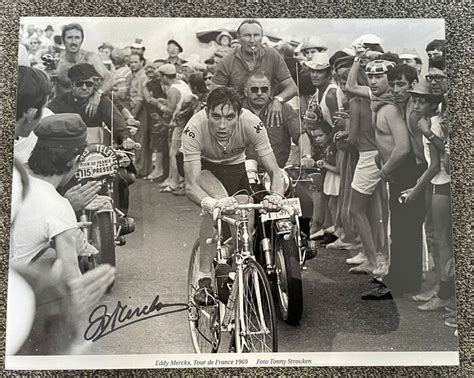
(223, 41)
(411, 59)
(105, 53)
(438, 178)
(251, 57)
(73, 36)
(138, 47)
(83, 79)
(311, 46)
(177, 92)
(174, 49)
(327, 99)
(45, 216)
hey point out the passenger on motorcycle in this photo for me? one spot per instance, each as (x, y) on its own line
(73, 37)
(45, 216)
(214, 143)
(83, 78)
(257, 99)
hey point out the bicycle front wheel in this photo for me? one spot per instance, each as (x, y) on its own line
(255, 321)
(203, 320)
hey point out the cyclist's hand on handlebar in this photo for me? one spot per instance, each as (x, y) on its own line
(211, 205)
(227, 204)
(272, 202)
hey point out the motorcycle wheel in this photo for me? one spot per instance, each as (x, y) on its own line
(288, 280)
(102, 237)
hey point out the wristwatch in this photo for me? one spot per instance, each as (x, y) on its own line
(100, 91)
(431, 137)
(306, 156)
(279, 99)
(356, 59)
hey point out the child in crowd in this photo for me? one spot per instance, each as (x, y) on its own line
(323, 137)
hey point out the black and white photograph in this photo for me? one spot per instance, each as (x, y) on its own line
(212, 192)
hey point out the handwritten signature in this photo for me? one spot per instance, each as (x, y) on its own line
(101, 323)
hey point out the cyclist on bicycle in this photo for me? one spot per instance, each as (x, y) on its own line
(214, 143)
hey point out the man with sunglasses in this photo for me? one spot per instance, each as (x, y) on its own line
(250, 57)
(73, 37)
(83, 78)
(257, 99)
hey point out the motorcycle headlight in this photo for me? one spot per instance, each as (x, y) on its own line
(284, 226)
(267, 181)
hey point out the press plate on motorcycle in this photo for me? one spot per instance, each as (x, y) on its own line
(282, 214)
(97, 161)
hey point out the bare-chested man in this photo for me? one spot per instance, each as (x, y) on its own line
(398, 168)
(73, 36)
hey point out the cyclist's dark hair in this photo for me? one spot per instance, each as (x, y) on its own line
(400, 70)
(437, 44)
(196, 82)
(47, 161)
(438, 62)
(72, 27)
(34, 87)
(224, 96)
(249, 21)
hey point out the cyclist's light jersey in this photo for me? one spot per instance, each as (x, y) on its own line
(198, 142)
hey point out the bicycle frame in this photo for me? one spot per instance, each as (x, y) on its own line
(242, 252)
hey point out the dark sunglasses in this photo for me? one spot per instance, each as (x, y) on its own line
(262, 89)
(208, 78)
(80, 83)
(436, 78)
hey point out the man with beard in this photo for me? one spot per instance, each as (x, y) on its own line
(398, 168)
(251, 57)
(73, 37)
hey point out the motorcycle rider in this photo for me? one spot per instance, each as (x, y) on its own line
(214, 143)
(83, 77)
